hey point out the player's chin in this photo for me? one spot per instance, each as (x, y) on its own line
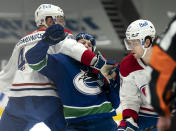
(135, 55)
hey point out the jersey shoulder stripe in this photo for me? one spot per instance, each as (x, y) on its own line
(128, 65)
(68, 31)
(36, 31)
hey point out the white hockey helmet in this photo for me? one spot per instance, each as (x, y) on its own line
(45, 10)
(139, 30)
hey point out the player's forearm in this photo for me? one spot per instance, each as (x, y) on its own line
(129, 95)
(78, 52)
(37, 53)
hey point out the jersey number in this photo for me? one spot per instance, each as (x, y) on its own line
(21, 59)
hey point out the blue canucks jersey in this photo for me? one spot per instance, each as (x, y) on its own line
(80, 90)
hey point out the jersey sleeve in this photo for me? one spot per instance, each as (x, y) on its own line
(39, 60)
(8, 72)
(129, 97)
(129, 91)
(129, 94)
(78, 51)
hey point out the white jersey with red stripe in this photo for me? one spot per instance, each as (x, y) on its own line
(27, 82)
(23, 81)
(134, 82)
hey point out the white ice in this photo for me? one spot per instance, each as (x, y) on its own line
(40, 127)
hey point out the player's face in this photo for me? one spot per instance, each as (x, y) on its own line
(86, 43)
(136, 48)
(49, 21)
(60, 20)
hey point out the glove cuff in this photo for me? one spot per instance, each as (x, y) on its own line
(122, 124)
(88, 57)
(101, 61)
(130, 113)
(128, 125)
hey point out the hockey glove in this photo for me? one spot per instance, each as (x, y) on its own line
(128, 125)
(54, 34)
(100, 62)
(106, 69)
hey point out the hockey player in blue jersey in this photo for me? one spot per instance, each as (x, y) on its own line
(86, 104)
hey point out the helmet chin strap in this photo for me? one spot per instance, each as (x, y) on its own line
(145, 50)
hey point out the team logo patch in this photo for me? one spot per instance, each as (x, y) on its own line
(86, 84)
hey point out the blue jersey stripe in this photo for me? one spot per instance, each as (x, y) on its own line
(49, 88)
(147, 115)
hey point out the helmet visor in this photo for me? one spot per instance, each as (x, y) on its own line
(127, 44)
(131, 44)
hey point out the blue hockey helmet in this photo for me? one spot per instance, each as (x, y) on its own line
(87, 36)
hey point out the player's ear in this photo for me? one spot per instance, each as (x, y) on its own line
(147, 43)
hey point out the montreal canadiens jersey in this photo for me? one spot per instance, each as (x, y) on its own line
(19, 78)
(134, 89)
(80, 92)
(28, 82)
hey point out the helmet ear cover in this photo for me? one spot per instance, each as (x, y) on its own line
(150, 38)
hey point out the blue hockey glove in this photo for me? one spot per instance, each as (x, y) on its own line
(106, 69)
(128, 125)
(54, 34)
(101, 61)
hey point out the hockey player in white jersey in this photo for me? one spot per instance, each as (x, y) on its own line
(136, 111)
(33, 98)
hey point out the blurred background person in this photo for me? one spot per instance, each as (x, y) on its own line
(163, 78)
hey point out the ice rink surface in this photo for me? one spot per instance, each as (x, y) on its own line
(40, 127)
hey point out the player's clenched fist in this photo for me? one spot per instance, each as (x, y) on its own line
(54, 34)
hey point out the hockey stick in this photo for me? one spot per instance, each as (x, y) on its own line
(149, 129)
